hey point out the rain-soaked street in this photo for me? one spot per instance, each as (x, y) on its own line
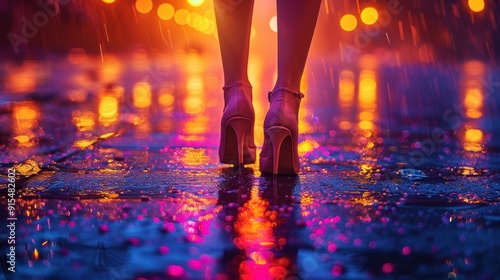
(115, 161)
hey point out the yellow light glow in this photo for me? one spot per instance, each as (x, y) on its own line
(182, 16)
(473, 135)
(83, 120)
(345, 125)
(348, 22)
(108, 108)
(366, 125)
(166, 99)
(144, 6)
(194, 157)
(166, 11)
(83, 144)
(473, 98)
(142, 95)
(108, 1)
(306, 146)
(196, 3)
(273, 24)
(369, 16)
(476, 5)
(367, 89)
(21, 79)
(366, 116)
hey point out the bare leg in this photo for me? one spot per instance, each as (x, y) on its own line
(234, 21)
(296, 23)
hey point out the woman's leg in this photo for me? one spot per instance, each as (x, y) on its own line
(296, 23)
(234, 21)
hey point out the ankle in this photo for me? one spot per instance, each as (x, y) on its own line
(229, 82)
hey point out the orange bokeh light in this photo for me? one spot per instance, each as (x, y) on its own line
(476, 5)
(144, 6)
(348, 22)
(369, 15)
(166, 11)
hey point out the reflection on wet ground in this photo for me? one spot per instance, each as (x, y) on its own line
(118, 175)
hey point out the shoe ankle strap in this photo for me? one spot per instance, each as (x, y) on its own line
(299, 95)
(236, 83)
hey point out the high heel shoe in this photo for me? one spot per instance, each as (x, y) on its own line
(279, 153)
(237, 144)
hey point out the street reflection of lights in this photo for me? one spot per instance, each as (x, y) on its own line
(367, 89)
(369, 15)
(273, 24)
(196, 3)
(182, 16)
(108, 110)
(193, 157)
(25, 117)
(111, 70)
(21, 79)
(346, 88)
(166, 99)
(166, 11)
(348, 22)
(84, 143)
(254, 227)
(307, 146)
(473, 135)
(476, 5)
(473, 140)
(144, 6)
(345, 125)
(83, 121)
(142, 95)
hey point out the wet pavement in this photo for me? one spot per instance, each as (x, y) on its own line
(117, 175)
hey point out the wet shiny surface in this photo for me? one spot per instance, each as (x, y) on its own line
(119, 176)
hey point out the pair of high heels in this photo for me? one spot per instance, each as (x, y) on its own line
(279, 152)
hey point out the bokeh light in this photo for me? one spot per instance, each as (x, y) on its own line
(108, 1)
(348, 22)
(182, 17)
(196, 3)
(476, 5)
(142, 95)
(273, 23)
(369, 15)
(166, 11)
(144, 6)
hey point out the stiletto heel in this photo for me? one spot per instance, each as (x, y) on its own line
(237, 125)
(241, 127)
(280, 150)
(277, 135)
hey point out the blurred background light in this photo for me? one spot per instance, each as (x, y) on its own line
(348, 22)
(144, 6)
(182, 16)
(476, 5)
(196, 3)
(166, 11)
(369, 15)
(273, 23)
